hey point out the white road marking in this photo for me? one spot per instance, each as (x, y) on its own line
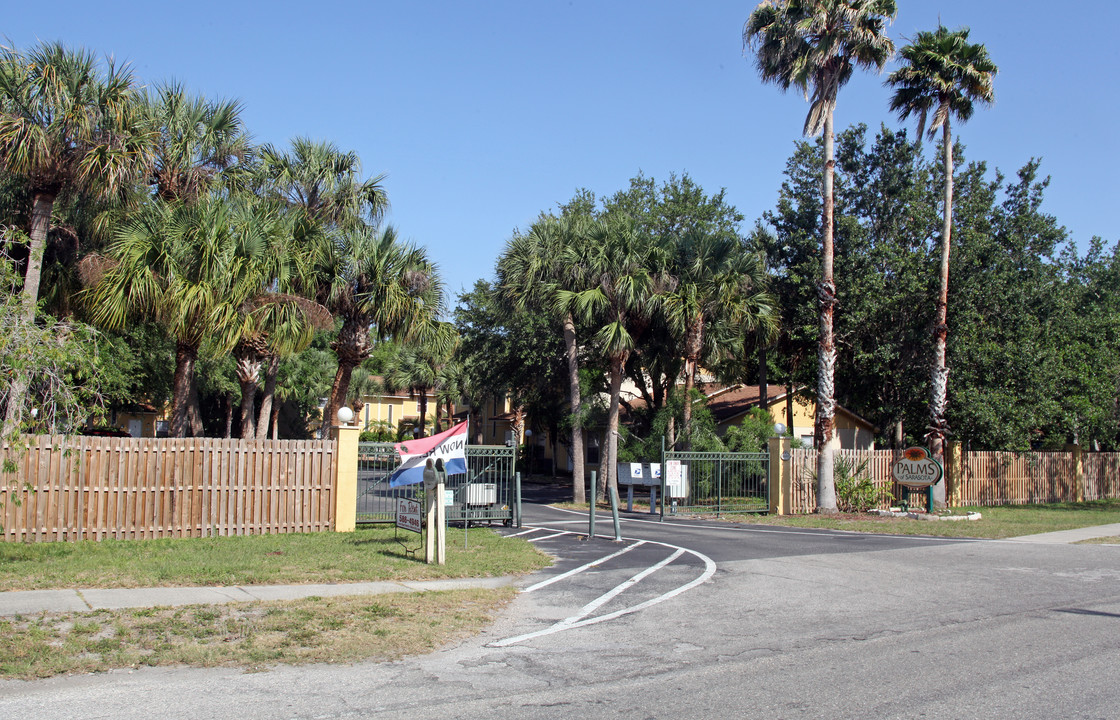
(580, 619)
(524, 532)
(549, 537)
(581, 568)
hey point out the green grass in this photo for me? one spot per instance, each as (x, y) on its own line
(250, 635)
(363, 555)
(998, 522)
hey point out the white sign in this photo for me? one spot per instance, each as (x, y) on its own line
(636, 470)
(448, 498)
(408, 514)
(676, 479)
(916, 469)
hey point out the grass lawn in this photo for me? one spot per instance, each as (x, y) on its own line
(252, 635)
(364, 555)
(997, 522)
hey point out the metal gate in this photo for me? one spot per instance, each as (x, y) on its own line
(490, 490)
(718, 483)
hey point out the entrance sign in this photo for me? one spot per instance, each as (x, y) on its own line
(408, 514)
(916, 469)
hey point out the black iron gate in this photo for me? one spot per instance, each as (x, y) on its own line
(716, 482)
(490, 490)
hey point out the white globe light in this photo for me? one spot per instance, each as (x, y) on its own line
(345, 415)
(779, 429)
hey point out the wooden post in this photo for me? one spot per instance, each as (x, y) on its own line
(781, 476)
(346, 477)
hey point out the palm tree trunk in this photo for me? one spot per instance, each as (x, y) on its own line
(423, 411)
(692, 356)
(940, 376)
(763, 388)
(248, 370)
(229, 415)
(40, 226)
(339, 388)
(265, 413)
(571, 352)
(274, 422)
(185, 357)
(194, 409)
(826, 352)
(609, 473)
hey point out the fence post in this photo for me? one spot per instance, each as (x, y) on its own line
(1078, 467)
(954, 473)
(346, 477)
(781, 477)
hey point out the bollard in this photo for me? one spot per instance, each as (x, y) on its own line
(614, 513)
(591, 503)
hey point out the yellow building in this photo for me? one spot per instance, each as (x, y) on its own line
(730, 404)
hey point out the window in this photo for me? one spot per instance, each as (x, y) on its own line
(593, 450)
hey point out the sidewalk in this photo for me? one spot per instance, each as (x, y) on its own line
(35, 601)
(1072, 536)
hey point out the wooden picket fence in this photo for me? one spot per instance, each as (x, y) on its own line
(985, 478)
(92, 488)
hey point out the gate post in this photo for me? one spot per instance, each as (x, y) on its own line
(1077, 455)
(781, 477)
(954, 473)
(346, 477)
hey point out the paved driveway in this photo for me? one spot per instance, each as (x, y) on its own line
(757, 622)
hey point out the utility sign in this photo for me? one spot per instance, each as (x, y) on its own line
(916, 469)
(408, 514)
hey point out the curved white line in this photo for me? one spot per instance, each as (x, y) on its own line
(581, 568)
(580, 619)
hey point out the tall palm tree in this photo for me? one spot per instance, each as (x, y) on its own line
(816, 45)
(380, 287)
(198, 143)
(322, 188)
(65, 125)
(944, 73)
(628, 280)
(533, 271)
(717, 281)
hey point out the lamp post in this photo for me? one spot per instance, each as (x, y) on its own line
(345, 415)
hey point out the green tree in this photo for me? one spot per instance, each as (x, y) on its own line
(942, 72)
(630, 279)
(189, 267)
(716, 281)
(818, 44)
(379, 287)
(66, 124)
(534, 271)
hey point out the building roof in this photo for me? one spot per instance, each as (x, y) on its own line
(730, 402)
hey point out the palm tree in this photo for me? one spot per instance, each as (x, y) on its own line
(418, 366)
(717, 281)
(533, 271)
(64, 126)
(818, 44)
(625, 276)
(944, 73)
(198, 144)
(379, 287)
(322, 189)
(191, 268)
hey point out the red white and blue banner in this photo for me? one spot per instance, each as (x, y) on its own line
(449, 446)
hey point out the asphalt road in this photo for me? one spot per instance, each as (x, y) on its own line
(699, 619)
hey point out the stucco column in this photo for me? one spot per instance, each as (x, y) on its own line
(1077, 482)
(346, 477)
(781, 476)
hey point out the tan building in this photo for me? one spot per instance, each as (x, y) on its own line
(730, 404)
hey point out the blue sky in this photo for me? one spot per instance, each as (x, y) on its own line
(484, 114)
